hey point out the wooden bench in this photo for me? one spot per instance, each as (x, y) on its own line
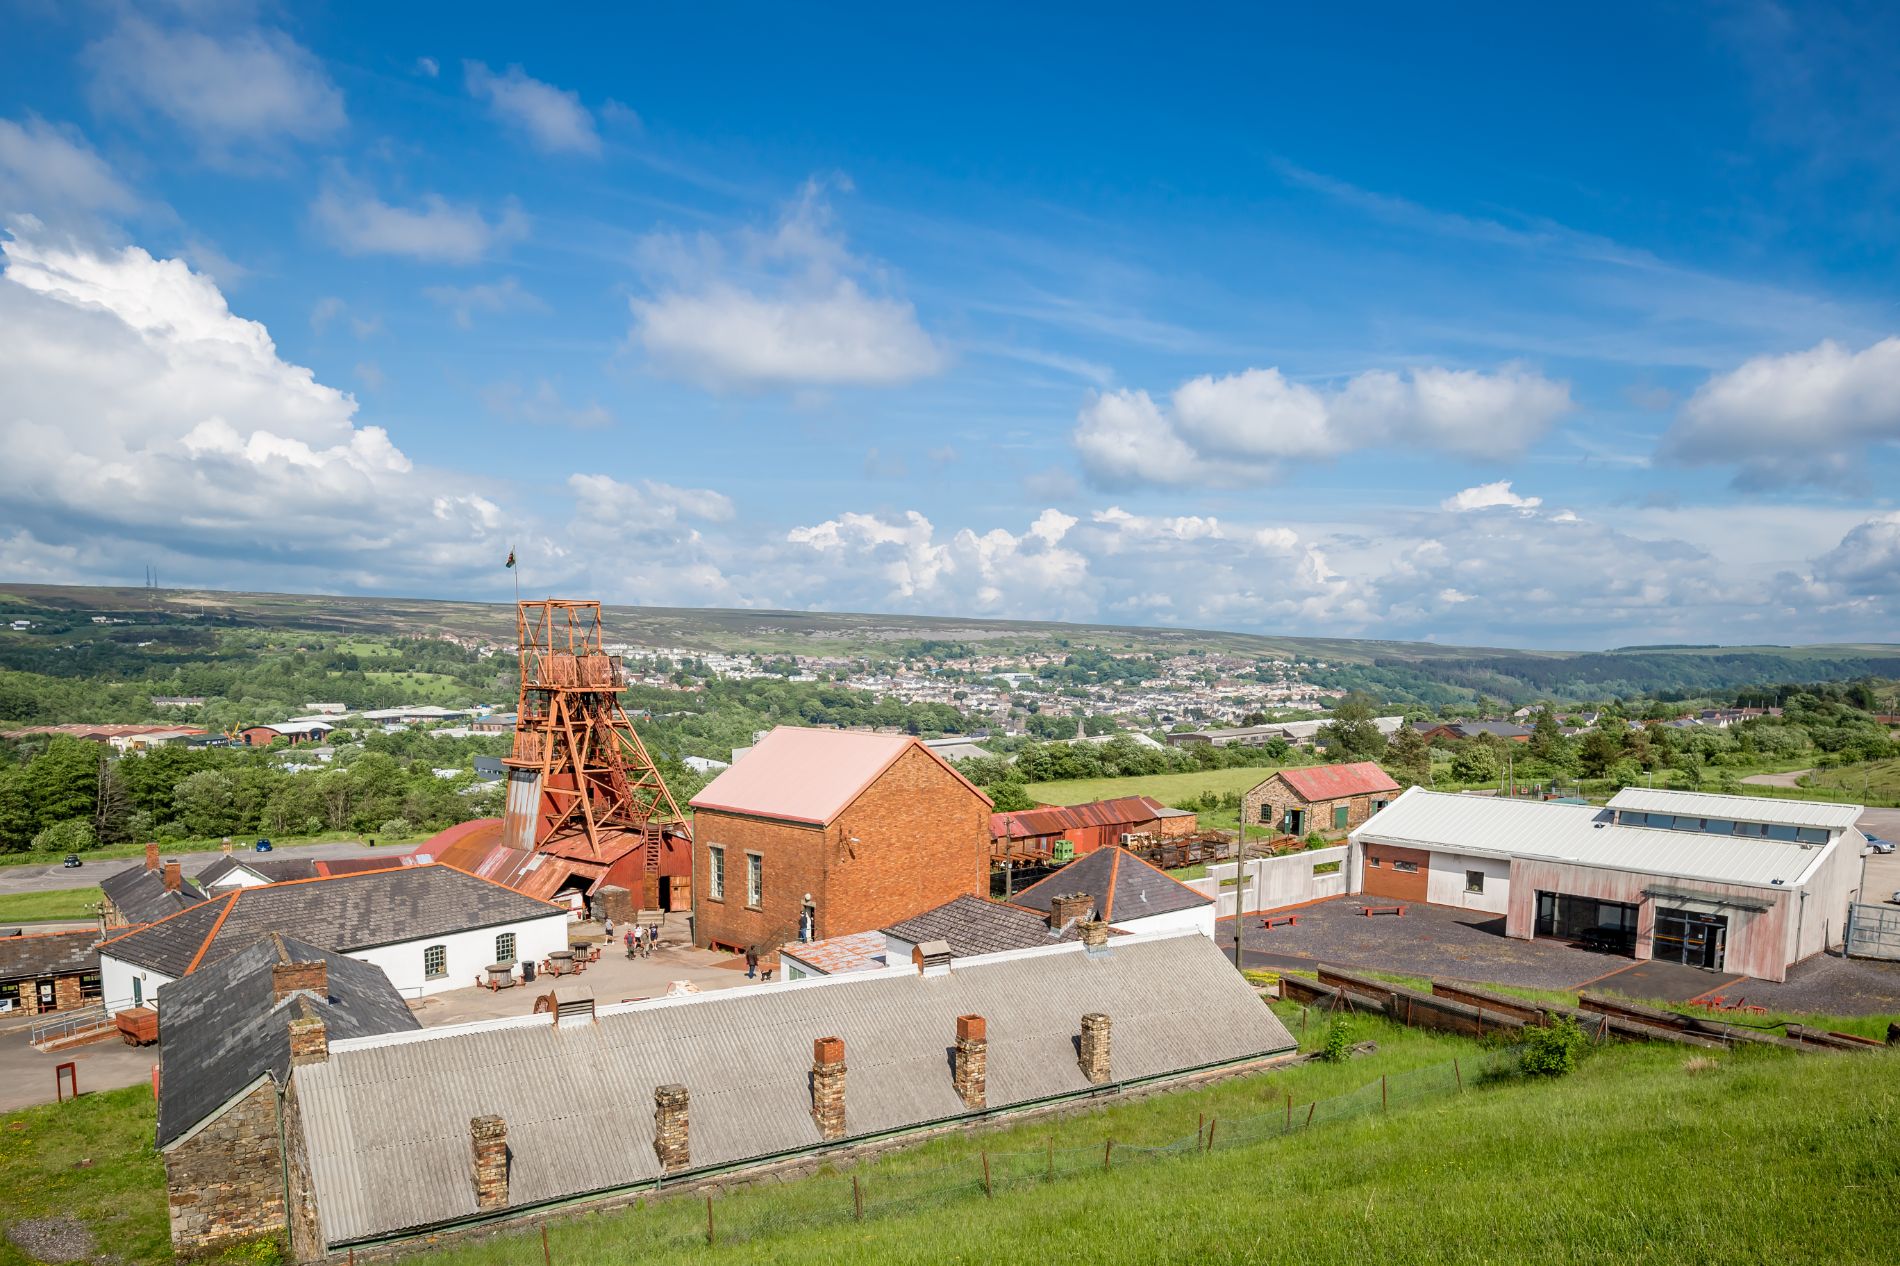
(1369, 911)
(1279, 921)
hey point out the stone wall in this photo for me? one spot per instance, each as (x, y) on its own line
(1277, 797)
(226, 1182)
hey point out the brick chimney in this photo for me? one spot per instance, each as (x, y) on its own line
(488, 1136)
(1095, 935)
(827, 1087)
(1094, 1055)
(174, 876)
(670, 1141)
(1069, 907)
(288, 978)
(971, 1068)
(151, 857)
(309, 1041)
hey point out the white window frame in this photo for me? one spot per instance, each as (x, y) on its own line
(754, 880)
(715, 872)
(509, 940)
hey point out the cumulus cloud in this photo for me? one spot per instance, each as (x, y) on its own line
(1241, 427)
(197, 437)
(357, 222)
(789, 307)
(1802, 417)
(228, 92)
(45, 168)
(553, 119)
(878, 562)
(1489, 496)
(1862, 571)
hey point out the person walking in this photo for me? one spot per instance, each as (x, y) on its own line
(653, 936)
(609, 928)
(633, 943)
(751, 961)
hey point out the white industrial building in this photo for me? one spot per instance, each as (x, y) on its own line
(1731, 883)
(430, 928)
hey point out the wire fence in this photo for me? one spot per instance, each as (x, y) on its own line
(895, 1184)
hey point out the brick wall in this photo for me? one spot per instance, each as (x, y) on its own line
(1279, 797)
(922, 839)
(225, 1183)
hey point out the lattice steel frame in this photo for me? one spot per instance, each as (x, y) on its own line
(570, 728)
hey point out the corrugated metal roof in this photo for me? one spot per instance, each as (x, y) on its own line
(1054, 819)
(1584, 834)
(387, 1119)
(1702, 804)
(1335, 782)
(803, 775)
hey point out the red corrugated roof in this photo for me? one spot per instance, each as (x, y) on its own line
(1333, 782)
(1055, 819)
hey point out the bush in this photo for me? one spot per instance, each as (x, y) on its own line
(395, 829)
(1552, 1051)
(74, 835)
(1337, 1048)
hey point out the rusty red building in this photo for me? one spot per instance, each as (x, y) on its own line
(1032, 835)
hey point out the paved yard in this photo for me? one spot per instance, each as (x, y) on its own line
(1467, 945)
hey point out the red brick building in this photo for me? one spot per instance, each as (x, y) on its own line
(821, 833)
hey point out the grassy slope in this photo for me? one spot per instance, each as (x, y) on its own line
(1643, 1155)
(63, 904)
(1879, 779)
(1636, 1157)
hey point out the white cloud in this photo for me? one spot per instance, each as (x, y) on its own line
(873, 562)
(231, 91)
(1241, 427)
(1490, 496)
(427, 67)
(463, 302)
(543, 406)
(553, 119)
(44, 168)
(198, 439)
(787, 308)
(1805, 416)
(1863, 570)
(437, 231)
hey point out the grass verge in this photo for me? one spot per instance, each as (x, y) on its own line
(61, 905)
(1169, 789)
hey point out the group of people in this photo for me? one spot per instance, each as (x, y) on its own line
(639, 939)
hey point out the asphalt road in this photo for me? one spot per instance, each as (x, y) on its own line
(40, 878)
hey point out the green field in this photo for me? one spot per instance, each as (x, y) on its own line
(115, 852)
(1169, 789)
(421, 687)
(1874, 782)
(65, 904)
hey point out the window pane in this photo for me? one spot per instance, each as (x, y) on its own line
(435, 961)
(754, 878)
(716, 872)
(505, 948)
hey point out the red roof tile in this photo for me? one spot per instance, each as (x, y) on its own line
(1333, 782)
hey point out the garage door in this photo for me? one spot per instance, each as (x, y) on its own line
(1397, 873)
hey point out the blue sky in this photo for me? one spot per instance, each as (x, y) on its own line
(1494, 326)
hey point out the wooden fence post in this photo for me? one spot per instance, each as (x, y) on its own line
(1200, 1133)
(1108, 1154)
(1309, 1111)
(989, 1192)
(1210, 1133)
(1289, 1110)
(857, 1199)
(1384, 1104)
(1459, 1074)
(711, 1238)
(1052, 1158)
(547, 1254)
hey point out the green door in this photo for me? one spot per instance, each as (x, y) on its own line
(1339, 816)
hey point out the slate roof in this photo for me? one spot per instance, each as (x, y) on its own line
(1124, 887)
(1336, 782)
(142, 897)
(340, 912)
(222, 1028)
(795, 774)
(386, 1120)
(48, 954)
(973, 925)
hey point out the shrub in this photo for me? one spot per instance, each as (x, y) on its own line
(395, 829)
(1553, 1051)
(1337, 1048)
(74, 835)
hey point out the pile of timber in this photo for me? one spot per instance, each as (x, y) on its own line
(1456, 1007)
(1800, 1036)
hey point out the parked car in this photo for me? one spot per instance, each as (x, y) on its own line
(1877, 845)
(72, 860)
(262, 846)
